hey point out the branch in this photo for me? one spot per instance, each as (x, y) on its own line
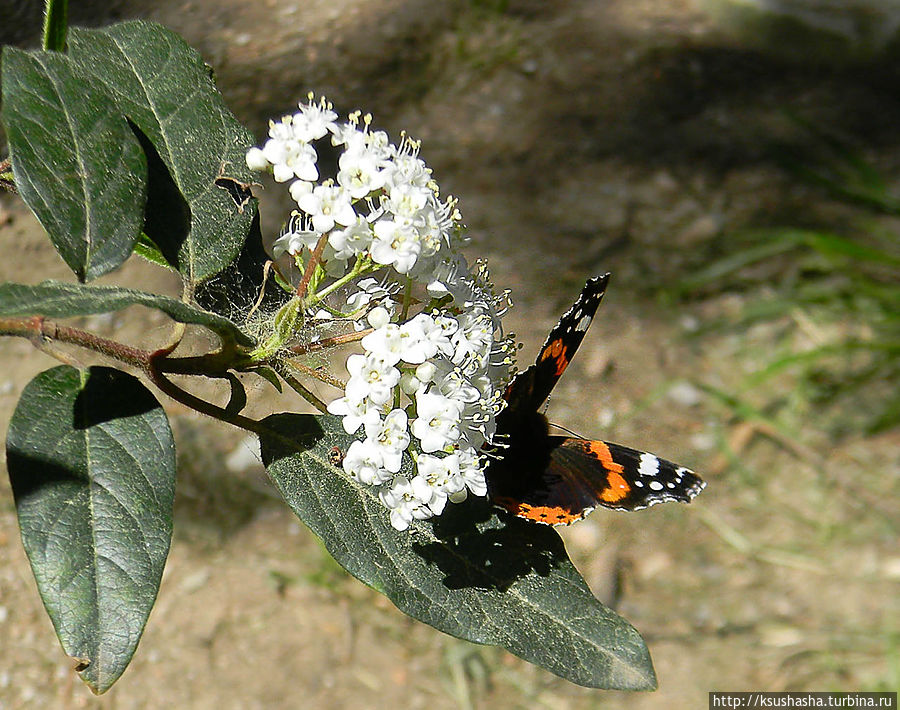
(151, 363)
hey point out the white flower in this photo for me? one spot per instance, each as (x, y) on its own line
(347, 134)
(405, 502)
(471, 472)
(353, 240)
(407, 201)
(437, 366)
(408, 170)
(379, 143)
(288, 156)
(472, 342)
(437, 421)
(363, 462)
(298, 188)
(452, 382)
(354, 413)
(359, 172)
(410, 384)
(395, 244)
(441, 473)
(416, 346)
(385, 342)
(370, 290)
(379, 317)
(451, 276)
(391, 437)
(256, 160)
(293, 241)
(328, 205)
(425, 372)
(437, 331)
(313, 121)
(434, 498)
(371, 376)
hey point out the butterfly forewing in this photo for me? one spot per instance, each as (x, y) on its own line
(531, 387)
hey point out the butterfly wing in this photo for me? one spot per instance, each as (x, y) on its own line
(531, 387)
(556, 479)
(581, 474)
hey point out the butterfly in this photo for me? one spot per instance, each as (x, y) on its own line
(557, 480)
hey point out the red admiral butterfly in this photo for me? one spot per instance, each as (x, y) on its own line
(560, 479)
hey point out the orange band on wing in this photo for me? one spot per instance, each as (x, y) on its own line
(616, 486)
(557, 351)
(604, 455)
(548, 515)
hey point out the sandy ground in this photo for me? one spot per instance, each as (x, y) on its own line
(579, 137)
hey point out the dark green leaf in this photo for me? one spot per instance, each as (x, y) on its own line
(92, 465)
(162, 85)
(470, 573)
(76, 162)
(56, 299)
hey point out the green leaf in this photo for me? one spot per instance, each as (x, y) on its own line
(145, 248)
(76, 161)
(92, 465)
(834, 244)
(56, 299)
(163, 86)
(56, 22)
(472, 574)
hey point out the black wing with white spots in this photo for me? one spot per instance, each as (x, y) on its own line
(531, 387)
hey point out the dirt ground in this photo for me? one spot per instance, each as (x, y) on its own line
(579, 137)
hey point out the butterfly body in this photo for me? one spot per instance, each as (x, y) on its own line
(557, 480)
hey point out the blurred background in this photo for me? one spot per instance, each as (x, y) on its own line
(735, 164)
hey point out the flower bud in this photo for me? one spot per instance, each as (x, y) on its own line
(378, 317)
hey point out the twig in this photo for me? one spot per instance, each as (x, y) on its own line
(40, 331)
(317, 374)
(311, 266)
(332, 342)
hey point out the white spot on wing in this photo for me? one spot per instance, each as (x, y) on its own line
(649, 465)
(656, 486)
(583, 324)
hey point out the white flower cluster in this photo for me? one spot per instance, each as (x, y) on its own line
(429, 384)
(382, 203)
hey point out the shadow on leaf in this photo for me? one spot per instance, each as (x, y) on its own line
(474, 545)
(479, 547)
(108, 395)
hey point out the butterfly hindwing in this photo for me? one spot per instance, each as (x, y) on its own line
(581, 474)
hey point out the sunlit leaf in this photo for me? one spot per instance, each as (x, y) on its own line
(58, 299)
(76, 161)
(470, 573)
(163, 86)
(92, 465)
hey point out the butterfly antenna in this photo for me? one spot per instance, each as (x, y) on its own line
(568, 431)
